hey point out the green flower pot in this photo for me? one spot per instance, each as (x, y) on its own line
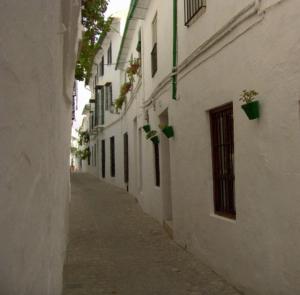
(155, 139)
(147, 128)
(251, 109)
(168, 131)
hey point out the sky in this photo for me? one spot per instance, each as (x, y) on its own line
(83, 93)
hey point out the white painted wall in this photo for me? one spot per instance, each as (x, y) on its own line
(258, 252)
(35, 109)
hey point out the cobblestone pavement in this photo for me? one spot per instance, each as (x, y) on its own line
(114, 248)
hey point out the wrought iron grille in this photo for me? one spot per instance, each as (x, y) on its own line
(154, 59)
(223, 160)
(103, 157)
(126, 158)
(112, 157)
(156, 163)
(191, 8)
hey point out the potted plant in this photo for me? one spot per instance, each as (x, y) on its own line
(251, 106)
(132, 69)
(167, 130)
(122, 97)
(147, 128)
(152, 135)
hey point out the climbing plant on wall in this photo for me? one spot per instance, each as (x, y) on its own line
(95, 29)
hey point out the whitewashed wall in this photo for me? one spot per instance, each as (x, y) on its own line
(258, 252)
(259, 49)
(35, 127)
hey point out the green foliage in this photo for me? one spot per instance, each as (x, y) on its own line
(73, 150)
(125, 88)
(248, 96)
(95, 30)
(133, 68)
(131, 71)
(83, 154)
(84, 137)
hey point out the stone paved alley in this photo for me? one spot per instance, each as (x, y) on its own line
(114, 248)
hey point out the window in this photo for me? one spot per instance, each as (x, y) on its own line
(89, 156)
(139, 44)
(112, 157)
(95, 155)
(97, 105)
(109, 55)
(154, 46)
(191, 8)
(102, 106)
(108, 96)
(156, 164)
(101, 67)
(126, 159)
(103, 157)
(221, 120)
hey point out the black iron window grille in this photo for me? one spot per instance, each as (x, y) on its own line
(101, 67)
(102, 106)
(222, 141)
(126, 158)
(112, 157)
(109, 55)
(103, 157)
(191, 8)
(154, 60)
(156, 164)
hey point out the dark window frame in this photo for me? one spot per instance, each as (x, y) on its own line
(156, 163)
(112, 157)
(109, 54)
(222, 150)
(154, 60)
(126, 157)
(103, 157)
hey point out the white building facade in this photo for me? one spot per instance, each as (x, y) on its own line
(224, 186)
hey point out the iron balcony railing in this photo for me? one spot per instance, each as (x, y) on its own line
(191, 8)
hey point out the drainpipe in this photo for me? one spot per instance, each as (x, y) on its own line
(174, 69)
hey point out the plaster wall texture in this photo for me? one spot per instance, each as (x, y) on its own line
(258, 252)
(259, 50)
(35, 129)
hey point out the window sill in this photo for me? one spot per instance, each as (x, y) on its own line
(224, 217)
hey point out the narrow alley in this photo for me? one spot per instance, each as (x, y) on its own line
(114, 248)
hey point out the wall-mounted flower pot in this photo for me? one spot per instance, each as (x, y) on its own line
(168, 131)
(155, 139)
(251, 109)
(147, 128)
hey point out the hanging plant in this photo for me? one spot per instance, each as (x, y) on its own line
(147, 128)
(251, 107)
(132, 69)
(125, 88)
(167, 130)
(152, 135)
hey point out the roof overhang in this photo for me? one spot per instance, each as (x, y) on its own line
(137, 11)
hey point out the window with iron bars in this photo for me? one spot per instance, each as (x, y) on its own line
(191, 9)
(101, 67)
(222, 141)
(109, 55)
(112, 157)
(108, 96)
